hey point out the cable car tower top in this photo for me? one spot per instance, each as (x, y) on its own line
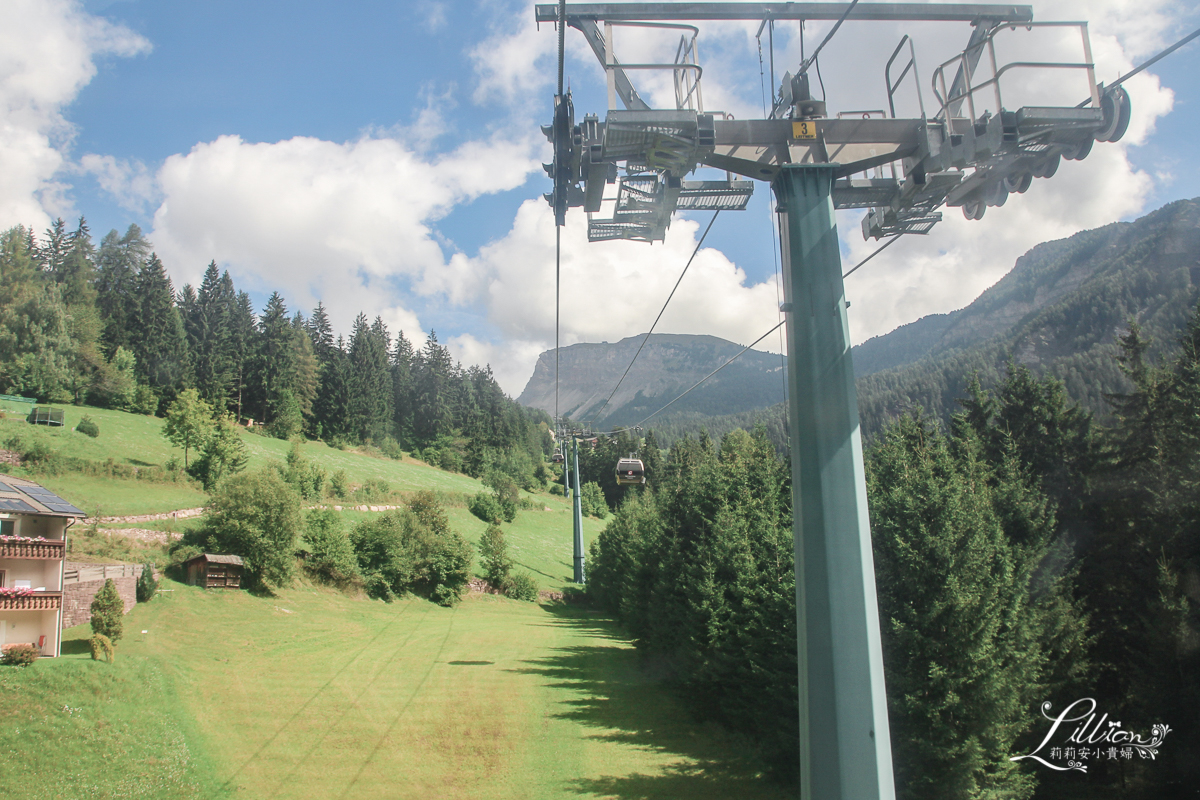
(955, 156)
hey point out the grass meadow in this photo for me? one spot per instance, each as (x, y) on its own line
(315, 694)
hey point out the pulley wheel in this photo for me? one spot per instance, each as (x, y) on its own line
(1117, 110)
(1047, 168)
(997, 194)
(1078, 152)
(973, 209)
(1019, 182)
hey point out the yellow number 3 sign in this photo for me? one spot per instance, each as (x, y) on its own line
(804, 129)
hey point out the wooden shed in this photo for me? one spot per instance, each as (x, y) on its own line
(214, 571)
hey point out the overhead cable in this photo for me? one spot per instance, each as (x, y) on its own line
(881, 248)
(1148, 63)
(714, 372)
(808, 61)
(645, 339)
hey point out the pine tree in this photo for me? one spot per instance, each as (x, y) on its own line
(243, 343)
(209, 325)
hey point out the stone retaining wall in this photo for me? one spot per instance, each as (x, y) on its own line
(77, 599)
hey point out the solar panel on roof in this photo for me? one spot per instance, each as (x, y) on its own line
(15, 505)
(4, 487)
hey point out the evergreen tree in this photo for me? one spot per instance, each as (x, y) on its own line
(331, 403)
(402, 388)
(274, 364)
(37, 354)
(209, 325)
(370, 381)
(146, 585)
(243, 344)
(108, 611)
(160, 343)
(433, 371)
(118, 263)
(493, 557)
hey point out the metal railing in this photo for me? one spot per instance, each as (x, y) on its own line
(963, 60)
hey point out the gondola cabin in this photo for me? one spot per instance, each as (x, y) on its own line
(210, 571)
(630, 472)
(557, 458)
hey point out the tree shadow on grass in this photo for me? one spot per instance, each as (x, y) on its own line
(543, 574)
(612, 690)
(75, 647)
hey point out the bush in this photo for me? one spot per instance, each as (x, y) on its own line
(521, 586)
(145, 401)
(493, 556)
(256, 516)
(20, 655)
(484, 506)
(108, 611)
(331, 556)
(413, 550)
(374, 489)
(508, 494)
(146, 585)
(305, 477)
(102, 647)
(339, 487)
(223, 453)
(86, 426)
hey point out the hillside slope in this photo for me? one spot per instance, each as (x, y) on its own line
(1059, 311)
(668, 365)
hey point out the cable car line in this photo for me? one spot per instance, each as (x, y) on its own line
(699, 244)
(879, 250)
(1148, 63)
(714, 372)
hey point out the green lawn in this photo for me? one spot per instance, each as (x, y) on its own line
(313, 694)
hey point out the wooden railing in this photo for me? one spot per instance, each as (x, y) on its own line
(47, 549)
(38, 601)
(100, 572)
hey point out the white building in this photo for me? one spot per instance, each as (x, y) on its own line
(33, 538)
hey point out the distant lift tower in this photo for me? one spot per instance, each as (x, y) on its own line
(902, 171)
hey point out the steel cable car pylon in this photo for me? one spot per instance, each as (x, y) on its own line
(969, 160)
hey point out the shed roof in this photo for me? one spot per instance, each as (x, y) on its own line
(216, 559)
(26, 497)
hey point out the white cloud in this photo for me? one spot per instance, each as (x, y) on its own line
(610, 290)
(127, 180)
(350, 224)
(48, 50)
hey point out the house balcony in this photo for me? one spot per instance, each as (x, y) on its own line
(48, 549)
(35, 601)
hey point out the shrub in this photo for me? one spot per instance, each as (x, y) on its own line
(145, 401)
(331, 556)
(521, 586)
(493, 556)
(508, 494)
(484, 506)
(108, 610)
(256, 516)
(88, 427)
(102, 647)
(146, 585)
(305, 477)
(374, 489)
(413, 550)
(339, 487)
(20, 655)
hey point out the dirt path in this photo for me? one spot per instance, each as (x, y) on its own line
(183, 513)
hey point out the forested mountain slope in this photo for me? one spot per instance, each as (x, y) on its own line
(668, 365)
(1059, 312)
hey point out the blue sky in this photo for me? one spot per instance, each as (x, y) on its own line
(384, 157)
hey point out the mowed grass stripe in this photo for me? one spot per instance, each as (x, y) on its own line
(311, 693)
